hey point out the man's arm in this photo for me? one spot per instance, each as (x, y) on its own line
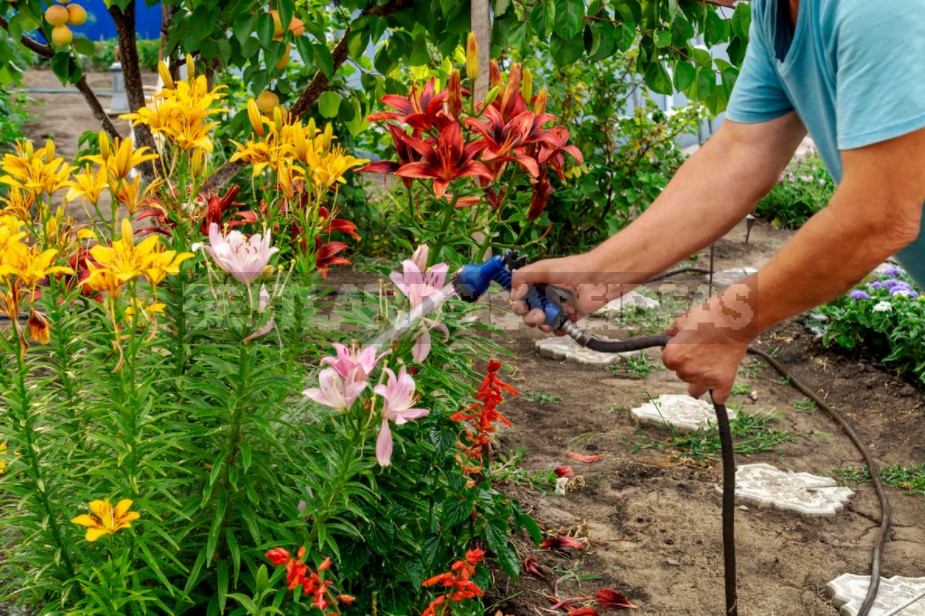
(875, 213)
(711, 192)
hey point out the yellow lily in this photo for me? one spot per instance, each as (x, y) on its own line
(18, 203)
(30, 264)
(122, 159)
(330, 168)
(106, 519)
(88, 185)
(164, 262)
(124, 259)
(132, 195)
(36, 171)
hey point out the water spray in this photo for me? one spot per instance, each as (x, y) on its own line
(473, 281)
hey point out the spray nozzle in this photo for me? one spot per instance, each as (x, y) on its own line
(473, 280)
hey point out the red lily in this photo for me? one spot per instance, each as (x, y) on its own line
(447, 160)
(324, 255)
(217, 206)
(405, 153)
(541, 192)
(502, 139)
(416, 110)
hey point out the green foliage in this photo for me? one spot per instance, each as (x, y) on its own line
(884, 319)
(804, 188)
(751, 433)
(14, 113)
(631, 153)
(664, 30)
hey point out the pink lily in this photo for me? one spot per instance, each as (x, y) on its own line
(243, 257)
(398, 396)
(359, 362)
(421, 348)
(418, 283)
(336, 392)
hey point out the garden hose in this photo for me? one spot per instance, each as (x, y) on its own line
(473, 280)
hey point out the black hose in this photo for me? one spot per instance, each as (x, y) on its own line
(683, 270)
(605, 345)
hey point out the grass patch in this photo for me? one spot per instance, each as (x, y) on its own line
(639, 366)
(804, 406)
(508, 468)
(910, 479)
(741, 389)
(541, 398)
(751, 433)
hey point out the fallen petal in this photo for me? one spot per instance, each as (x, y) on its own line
(582, 458)
(562, 541)
(607, 597)
(564, 471)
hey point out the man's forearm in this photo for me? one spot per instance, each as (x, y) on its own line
(833, 251)
(710, 194)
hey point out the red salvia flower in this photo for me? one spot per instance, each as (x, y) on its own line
(446, 160)
(298, 574)
(480, 419)
(457, 582)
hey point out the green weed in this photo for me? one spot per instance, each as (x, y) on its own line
(910, 479)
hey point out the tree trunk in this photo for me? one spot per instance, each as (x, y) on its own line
(481, 27)
(131, 72)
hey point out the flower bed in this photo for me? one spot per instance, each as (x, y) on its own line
(885, 317)
(186, 426)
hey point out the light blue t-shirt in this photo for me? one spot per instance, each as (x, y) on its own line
(853, 70)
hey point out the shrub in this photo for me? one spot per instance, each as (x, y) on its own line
(804, 188)
(884, 318)
(14, 113)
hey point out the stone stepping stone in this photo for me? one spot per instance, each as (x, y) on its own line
(732, 276)
(629, 302)
(765, 485)
(678, 411)
(900, 596)
(563, 347)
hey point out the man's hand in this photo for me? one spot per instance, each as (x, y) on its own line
(707, 346)
(575, 274)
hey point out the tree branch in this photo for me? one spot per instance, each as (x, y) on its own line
(82, 86)
(309, 96)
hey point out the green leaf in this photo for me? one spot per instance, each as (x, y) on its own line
(684, 75)
(243, 26)
(705, 84)
(496, 533)
(742, 20)
(84, 46)
(324, 59)
(329, 103)
(569, 18)
(663, 39)
(717, 29)
(657, 78)
(500, 7)
(264, 29)
(565, 52)
(456, 511)
(65, 67)
(603, 40)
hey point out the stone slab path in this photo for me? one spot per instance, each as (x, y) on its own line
(765, 485)
(897, 596)
(678, 411)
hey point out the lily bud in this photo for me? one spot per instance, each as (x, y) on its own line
(190, 68)
(255, 117)
(278, 117)
(539, 105)
(512, 88)
(103, 144)
(164, 72)
(454, 98)
(421, 256)
(492, 95)
(49, 151)
(38, 328)
(494, 73)
(198, 162)
(472, 56)
(526, 85)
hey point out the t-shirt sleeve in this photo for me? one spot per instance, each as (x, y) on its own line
(758, 95)
(880, 91)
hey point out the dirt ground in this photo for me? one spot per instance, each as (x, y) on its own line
(653, 526)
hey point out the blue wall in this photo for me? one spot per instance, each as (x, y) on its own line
(99, 23)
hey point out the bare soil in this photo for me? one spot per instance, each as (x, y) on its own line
(653, 525)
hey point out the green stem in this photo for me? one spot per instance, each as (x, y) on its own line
(30, 452)
(447, 218)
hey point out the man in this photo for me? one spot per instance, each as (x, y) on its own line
(852, 73)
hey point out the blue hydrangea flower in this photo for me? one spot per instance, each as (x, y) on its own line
(900, 287)
(858, 294)
(889, 284)
(875, 286)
